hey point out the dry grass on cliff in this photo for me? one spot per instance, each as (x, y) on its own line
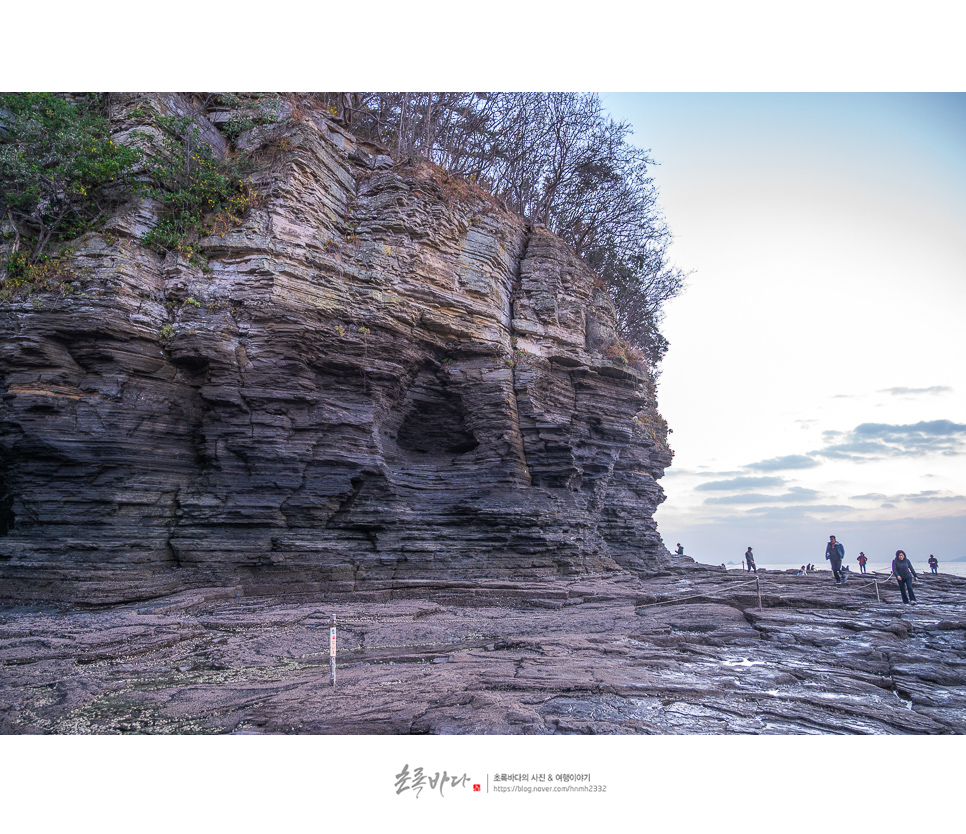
(453, 188)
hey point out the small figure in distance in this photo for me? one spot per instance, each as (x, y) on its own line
(803, 572)
(933, 563)
(750, 560)
(835, 553)
(724, 566)
(904, 572)
(680, 550)
(862, 560)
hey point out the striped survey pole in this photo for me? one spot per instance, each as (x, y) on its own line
(332, 651)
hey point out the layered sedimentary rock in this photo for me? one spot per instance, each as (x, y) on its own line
(379, 375)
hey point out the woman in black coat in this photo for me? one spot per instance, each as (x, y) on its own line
(904, 572)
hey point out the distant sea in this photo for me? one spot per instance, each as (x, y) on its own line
(955, 568)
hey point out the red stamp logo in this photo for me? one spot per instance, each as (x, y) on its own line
(476, 787)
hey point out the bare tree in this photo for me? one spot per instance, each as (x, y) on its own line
(555, 158)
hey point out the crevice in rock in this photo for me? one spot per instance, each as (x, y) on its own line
(7, 518)
(515, 292)
(345, 507)
(175, 514)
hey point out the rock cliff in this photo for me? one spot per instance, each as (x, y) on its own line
(380, 375)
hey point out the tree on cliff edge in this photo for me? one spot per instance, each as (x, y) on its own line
(60, 170)
(557, 159)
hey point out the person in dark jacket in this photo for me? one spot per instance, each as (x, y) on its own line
(750, 560)
(904, 572)
(933, 563)
(835, 553)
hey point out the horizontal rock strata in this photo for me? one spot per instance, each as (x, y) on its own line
(381, 375)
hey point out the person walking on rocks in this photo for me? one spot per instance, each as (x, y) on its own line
(750, 560)
(862, 560)
(835, 553)
(933, 563)
(905, 573)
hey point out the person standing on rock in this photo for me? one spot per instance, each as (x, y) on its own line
(750, 560)
(835, 553)
(680, 550)
(862, 560)
(933, 563)
(905, 573)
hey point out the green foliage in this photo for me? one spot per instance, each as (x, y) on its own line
(248, 112)
(516, 357)
(60, 170)
(199, 193)
(24, 277)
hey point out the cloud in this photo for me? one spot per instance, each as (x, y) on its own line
(924, 497)
(797, 513)
(884, 440)
(699, 473)
(931, 428)
(796, 495)
(903, 392)
(743, 483)
(784, 462)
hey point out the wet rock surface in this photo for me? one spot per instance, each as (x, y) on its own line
(688, 651)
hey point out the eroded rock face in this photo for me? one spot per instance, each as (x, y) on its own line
(382, 376)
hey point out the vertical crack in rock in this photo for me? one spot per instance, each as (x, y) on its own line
(515, 294)
(7, 518)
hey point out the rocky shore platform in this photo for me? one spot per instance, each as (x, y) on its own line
(693, 651)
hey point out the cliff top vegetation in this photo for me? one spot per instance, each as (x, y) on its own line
(554, 158)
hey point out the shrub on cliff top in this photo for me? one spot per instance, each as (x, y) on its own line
(198, 191)
(60, 170)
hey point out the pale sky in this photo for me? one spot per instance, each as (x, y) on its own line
(815, 382)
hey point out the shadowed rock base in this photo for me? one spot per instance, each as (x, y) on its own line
(688, 651)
